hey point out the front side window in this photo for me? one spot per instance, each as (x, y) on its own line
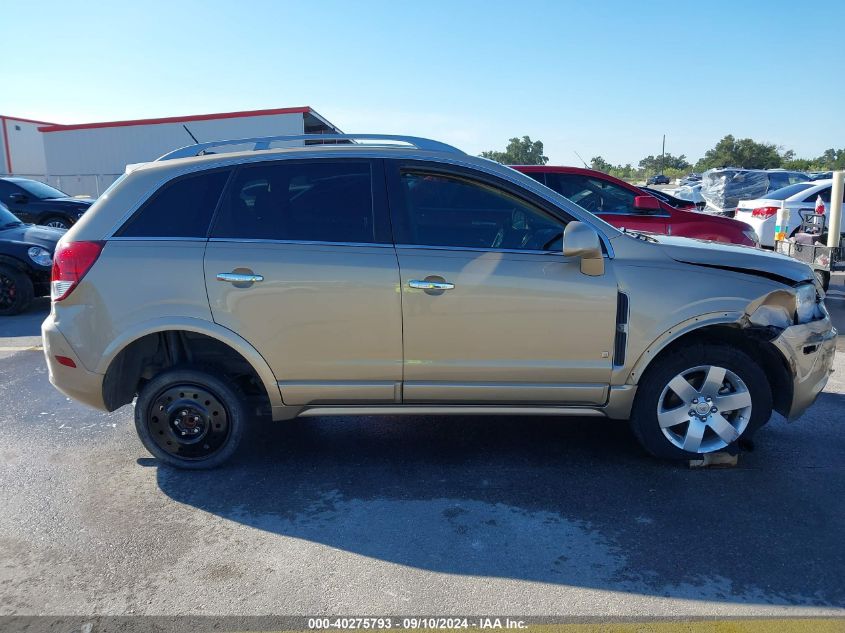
(315, 202)
(180, 209)
(40, 190)
(593, 194)
(455, 212)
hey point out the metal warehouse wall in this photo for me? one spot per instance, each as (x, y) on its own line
(25, 147)
(107, 150)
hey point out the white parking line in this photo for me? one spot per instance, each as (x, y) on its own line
(34, 348)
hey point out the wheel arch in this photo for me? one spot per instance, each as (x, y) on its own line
(725, 327)
(15, 263)
(127, 352)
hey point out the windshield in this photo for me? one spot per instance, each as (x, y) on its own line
(787, 192)
(39, 189)
(7, 218)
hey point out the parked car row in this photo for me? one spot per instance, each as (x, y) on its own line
(26, 258)
(629, 207)
(800, 198)
(35, 202)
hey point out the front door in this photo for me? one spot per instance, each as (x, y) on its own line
(492, 310)
(301, 264)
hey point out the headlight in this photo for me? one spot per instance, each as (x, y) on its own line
(40, 256)
(807, 305)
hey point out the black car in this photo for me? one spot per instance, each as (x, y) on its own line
(38, 203)
(659, 179)
(26, 258)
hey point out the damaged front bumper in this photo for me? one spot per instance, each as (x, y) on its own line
(809, 349)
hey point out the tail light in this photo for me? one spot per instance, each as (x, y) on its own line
(71, 262)
(764, 212)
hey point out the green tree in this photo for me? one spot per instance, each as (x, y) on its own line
(744, 152)
(600, 164)
(522, 151)
(654, 164)
(831, 159)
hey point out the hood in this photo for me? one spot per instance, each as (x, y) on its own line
(79, 202)
(741, 259)
(32, 235)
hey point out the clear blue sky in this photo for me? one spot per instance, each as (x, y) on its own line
(601, 78)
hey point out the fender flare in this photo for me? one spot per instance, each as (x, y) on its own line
(673, 334)
(14, 262)
(199, 326)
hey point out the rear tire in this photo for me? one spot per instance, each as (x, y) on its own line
(190, 419)
(673, 425)
(824, 279)
(16, 291)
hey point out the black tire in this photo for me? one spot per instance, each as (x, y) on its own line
(644, 420)
(824, 279)
(217, 404)
(16, 291)
(57, 222)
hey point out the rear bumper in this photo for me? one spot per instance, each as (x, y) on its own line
(76, 382)
(809, 349)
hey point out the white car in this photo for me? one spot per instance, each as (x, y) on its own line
(761, 213)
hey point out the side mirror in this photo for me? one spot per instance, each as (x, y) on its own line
(646, 203)
(20, 198)
(581, 240)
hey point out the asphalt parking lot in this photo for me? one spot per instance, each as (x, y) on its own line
(376, 516)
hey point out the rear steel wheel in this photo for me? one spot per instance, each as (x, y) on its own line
(190, 419)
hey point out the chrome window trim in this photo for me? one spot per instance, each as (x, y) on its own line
(476, 249)
(480, 249)
(248, 240)
(156, 239)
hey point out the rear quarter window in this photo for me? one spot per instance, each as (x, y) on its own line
(181, 208)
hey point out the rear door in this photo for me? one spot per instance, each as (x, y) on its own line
(612, 203)
(300, 263)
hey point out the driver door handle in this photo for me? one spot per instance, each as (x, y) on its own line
(239, 278)
(424, 284)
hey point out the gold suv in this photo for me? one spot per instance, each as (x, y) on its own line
(286, 276)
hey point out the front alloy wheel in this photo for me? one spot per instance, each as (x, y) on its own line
(704, 409)
(700, 398)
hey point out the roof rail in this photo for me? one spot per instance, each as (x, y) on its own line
(263, 143)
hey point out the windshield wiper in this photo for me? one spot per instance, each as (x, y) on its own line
(638, 235)
(10, 224)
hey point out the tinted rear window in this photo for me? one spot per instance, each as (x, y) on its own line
(316, 201)
(181, 208)
(787, 192)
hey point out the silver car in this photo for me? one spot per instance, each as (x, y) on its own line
(397, 275)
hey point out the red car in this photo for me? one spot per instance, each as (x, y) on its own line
(626, 206)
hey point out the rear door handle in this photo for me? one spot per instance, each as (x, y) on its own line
(239, 278)
(425, 284)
